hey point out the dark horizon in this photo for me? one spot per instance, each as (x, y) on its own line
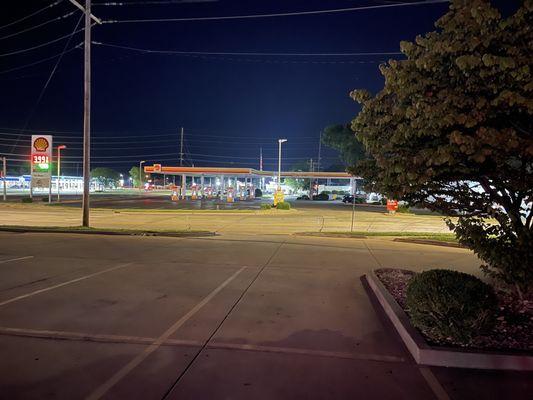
(229, 105)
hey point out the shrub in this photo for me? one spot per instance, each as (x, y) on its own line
(27, 200)
(283, 205)
(321, 196)
(403, 208)
(266, 206)
(258, 193)
(449, 304)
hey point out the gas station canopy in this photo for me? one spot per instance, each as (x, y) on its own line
(248, 172)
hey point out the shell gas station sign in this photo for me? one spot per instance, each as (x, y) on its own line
(41, 161)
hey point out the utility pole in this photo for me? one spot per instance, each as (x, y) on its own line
(4, 175)
(260, 158)
(181, 148)
(87, 117)
(86, 109)
(319, 151)
(59, 148)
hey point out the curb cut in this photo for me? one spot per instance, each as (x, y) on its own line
(430, 242)
(109, 233)
(425, 354)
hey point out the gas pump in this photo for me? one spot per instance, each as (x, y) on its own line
(194, 192)
(175, 191)
(209, 192)
(230, 195)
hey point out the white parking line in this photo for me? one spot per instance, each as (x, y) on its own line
(117, 377)
(15, 259)
(3, 303)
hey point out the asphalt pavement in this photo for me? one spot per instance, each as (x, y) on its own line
(231, 317)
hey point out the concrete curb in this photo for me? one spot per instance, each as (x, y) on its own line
(425, 354)
(429, 241)
(331, 235)
(105, 232)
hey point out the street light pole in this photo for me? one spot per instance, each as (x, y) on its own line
(59, 148)
(280, 141)
(141, 174)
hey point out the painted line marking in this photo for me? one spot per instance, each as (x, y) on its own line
(15, 259)
(434, 384)
(126, 339)
(119, 375)
(3, 303)
(292, 350)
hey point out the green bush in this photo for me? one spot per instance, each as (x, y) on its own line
(266, 206)
(448, 304)
(283, 206)
(258, 192)
(27, 200)
(403, 208)
(322, 196)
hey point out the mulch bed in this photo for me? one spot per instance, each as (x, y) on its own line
(514, 321)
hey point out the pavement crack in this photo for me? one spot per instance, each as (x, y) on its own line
(215, 331)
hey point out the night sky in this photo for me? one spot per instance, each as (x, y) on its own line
(229, 105)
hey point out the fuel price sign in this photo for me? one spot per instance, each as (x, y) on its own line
(41, 160)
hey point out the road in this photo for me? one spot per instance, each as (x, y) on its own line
(240, 317)
(304, 218)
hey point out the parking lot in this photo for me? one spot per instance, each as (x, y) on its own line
(264, 317)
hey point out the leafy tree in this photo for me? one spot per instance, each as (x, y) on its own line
(105, 176)
(341, 138)
(299, 183)
(134, 174)
(452, 129)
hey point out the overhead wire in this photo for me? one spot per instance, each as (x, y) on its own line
(32, 14)
(274, 15)
(5, 71)
(42, 44)
(155, 2)
(52, 72)
(246, 53)
(39, 25)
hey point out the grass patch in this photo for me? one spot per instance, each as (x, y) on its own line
(104, 231)
(441, 237)
(177, 211)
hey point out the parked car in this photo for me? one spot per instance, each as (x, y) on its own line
(303, 197)
(352, 199)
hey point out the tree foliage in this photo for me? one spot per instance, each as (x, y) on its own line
(134, 173)
(452, 130)
(105, 176)
(341, 138)
(299, 183)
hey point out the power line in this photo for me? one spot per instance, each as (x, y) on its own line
(42, 44)
(52, 72)
(32, 14)
(41, 61)
(39, 25)
(212, 53)
(156, 2)
(272, 15)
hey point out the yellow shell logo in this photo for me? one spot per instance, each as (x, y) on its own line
(40, 144)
